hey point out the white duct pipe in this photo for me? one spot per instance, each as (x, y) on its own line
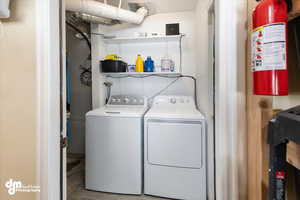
(94, 19)
(96, 8)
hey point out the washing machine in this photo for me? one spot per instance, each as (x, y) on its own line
(114, 138)
(175, 149)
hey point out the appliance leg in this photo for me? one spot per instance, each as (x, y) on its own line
(277, 172)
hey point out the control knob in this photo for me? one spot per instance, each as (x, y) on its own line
(126, 100)
(173, 100)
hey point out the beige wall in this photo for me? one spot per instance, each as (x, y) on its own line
(18, 98)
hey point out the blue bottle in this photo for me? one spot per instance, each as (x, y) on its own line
(149, 65)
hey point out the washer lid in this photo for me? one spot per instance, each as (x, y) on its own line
(119, 111)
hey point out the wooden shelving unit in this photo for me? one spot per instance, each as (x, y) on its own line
(294, 14)
(293, 154)
(259, 112)
(295, 9)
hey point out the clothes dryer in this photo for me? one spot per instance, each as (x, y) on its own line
(175, 149)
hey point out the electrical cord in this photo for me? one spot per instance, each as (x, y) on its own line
(81, 33)
(180, 52)
(85, 76)
(195, 88)
(161, 91)
(108, 86)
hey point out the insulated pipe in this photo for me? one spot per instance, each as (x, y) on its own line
(96, 8)
(94, 19)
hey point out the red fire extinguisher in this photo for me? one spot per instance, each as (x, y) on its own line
(269, 48)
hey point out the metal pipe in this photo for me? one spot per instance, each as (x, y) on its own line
(98, 9)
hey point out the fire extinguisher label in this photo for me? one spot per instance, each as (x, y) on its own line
(269, 47)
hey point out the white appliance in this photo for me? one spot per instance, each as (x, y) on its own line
(114, 146)
(175, 149)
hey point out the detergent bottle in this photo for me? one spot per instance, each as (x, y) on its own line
(149, 65)
(139, 64)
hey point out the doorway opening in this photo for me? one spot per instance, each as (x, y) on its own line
(78, 98)
(227, 96)
(82, 64)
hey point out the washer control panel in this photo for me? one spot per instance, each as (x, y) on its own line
(126, 100)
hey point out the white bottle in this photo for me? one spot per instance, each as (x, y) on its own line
(167, 64)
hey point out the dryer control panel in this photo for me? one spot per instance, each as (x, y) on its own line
(184, 101)
(127, 100)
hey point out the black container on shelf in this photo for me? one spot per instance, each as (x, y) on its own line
(113, 66)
